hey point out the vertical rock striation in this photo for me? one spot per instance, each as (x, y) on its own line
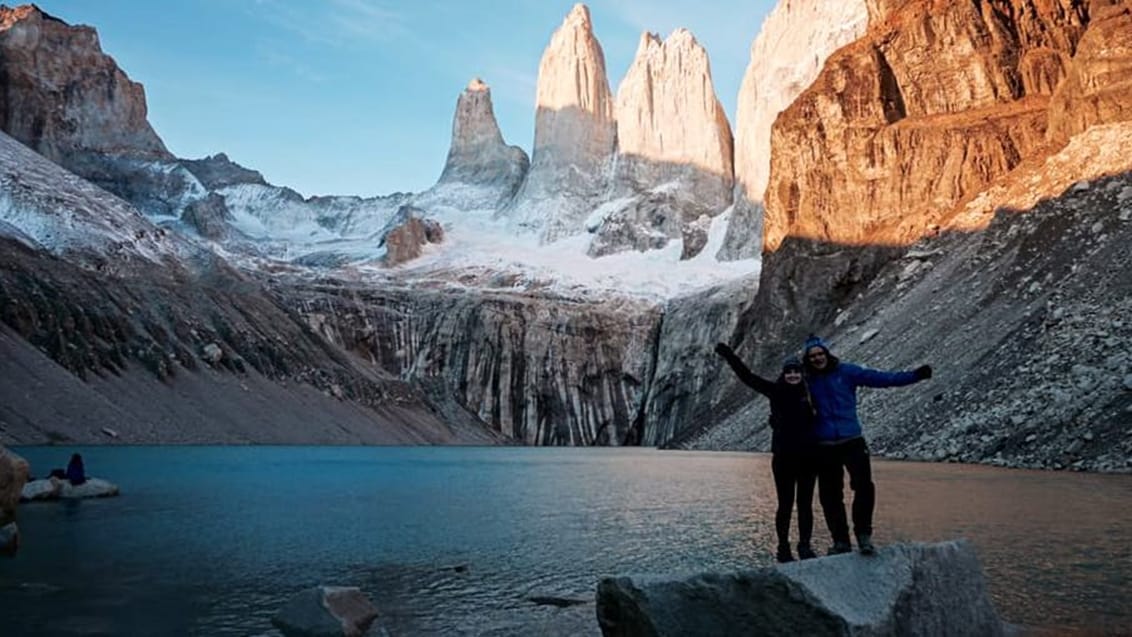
(792, 46)
(481, 171)
(540, 369)
(575, 133)
(674, 146)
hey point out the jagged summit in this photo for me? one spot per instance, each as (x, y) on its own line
(478, 157)
(674, 156)
(575, 133)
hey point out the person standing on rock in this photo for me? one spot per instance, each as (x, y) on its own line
(841, 445)
(792, 418)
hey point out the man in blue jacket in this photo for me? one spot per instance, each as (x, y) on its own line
(841, 445)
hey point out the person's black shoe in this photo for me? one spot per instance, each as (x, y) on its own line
(865, 544)
(784, 554)
(805, 552)
(839, 548)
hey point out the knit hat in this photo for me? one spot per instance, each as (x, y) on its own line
(815, 341)
(792, 362)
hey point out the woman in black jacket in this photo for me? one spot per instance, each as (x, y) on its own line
(792, 418)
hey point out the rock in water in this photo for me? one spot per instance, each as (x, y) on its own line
(907, 589)
(325, 611)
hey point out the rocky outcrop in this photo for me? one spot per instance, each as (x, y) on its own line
(63, 96)
(575, 133)
(218, 171)
(210, 217)
(323, 611)
(407, 234)
(13, 475)
(484, 169)
(906, 589)
(792, 46)
(673, 141)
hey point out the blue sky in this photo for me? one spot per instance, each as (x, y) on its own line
(357, 96)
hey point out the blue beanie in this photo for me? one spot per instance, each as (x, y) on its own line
(814, 341)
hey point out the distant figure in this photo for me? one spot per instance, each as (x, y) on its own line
(841, 444)
(793, 445)
(75, 471)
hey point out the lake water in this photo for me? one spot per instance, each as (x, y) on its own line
(457, 541)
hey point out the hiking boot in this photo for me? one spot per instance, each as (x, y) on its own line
(840, 547)
(784, 554)
(865, 544)
(805, 552)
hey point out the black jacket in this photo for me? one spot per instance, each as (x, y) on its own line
(792, 414)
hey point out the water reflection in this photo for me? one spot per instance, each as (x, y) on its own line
(458, 541)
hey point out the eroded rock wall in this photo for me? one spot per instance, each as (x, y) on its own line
(542, 370)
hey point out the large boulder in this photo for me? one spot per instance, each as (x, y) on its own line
(325, 611)
(906, 589)
(13, 475)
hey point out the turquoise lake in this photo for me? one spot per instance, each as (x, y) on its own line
(459, 540)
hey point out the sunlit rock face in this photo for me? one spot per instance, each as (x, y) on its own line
(575, 133)
(481, 171)
(1098, 83)
(674, 147)
(63, 95)
(792, 46)
(935, 102)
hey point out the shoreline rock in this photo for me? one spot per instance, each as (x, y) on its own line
(906, 589)
(57, 489)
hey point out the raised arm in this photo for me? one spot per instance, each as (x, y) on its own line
(865, 377)
(749, 378)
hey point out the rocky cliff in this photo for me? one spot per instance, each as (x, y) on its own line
(63, 96)
(934, 103)
(483, 170)
(674, 143)
(790, 50)
(575, 133)
(901, 163)
(538, 368)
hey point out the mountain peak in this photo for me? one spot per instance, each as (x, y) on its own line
(579, 16)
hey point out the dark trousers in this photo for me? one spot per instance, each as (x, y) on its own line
(833, 462)
(794, 474)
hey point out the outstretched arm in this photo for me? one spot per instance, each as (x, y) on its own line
(749, 378)
(865, 377)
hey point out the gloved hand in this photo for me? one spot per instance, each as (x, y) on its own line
(923, 372)
(723, 350)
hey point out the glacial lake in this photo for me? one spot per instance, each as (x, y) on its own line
(461, 540)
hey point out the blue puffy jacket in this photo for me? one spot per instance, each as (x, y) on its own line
(834, 391)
